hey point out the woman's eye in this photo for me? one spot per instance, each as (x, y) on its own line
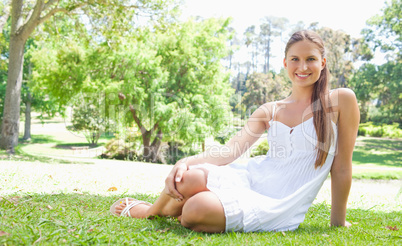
(295, 59)
(311, 59)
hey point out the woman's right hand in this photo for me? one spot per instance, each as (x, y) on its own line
(175, 176)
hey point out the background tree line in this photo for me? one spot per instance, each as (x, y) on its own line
(132, 69)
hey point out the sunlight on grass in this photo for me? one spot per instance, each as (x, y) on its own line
(84, 219)
(380, 152)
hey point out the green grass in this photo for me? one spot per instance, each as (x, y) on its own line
(379, 152)
(21, 155)
(377, 158)
(376, 174)
(73, 219)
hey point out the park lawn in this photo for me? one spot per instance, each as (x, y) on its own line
(83, 219)
(377, 158)
(378, 152)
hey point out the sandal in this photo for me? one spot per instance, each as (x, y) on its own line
(130, 204)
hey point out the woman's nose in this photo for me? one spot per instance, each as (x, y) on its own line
(303, 66)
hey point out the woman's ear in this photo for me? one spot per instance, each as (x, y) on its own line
(323, 63)
(285, 65)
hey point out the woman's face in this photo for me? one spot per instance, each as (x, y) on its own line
(304, 63)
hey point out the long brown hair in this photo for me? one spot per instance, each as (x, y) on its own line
(320, 101)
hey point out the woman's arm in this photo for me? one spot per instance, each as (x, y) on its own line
(345, 103)
(223, 155)
(238, 144)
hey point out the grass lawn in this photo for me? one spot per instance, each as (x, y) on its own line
(377, 158)
(83, 219)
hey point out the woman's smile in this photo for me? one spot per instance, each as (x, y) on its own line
(304, 63)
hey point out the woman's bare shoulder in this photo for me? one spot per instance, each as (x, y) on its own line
(265, 109)
(343, 94)
(343, 97)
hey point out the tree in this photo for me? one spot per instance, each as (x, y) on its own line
(385, 30)
(188, 99)
(339, 55)
(251, 42)
(270, 28)
(263, 88)
(24, 20)
(380, 84)
(170, 83)
(5, 10)
(88, 116)
(28, 99)
(362, 84)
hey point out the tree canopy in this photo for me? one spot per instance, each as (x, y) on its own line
(170, 83)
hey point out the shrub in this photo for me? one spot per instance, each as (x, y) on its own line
(130, 148)
(261, 149)
(225, 136)
(124, 148)
(370, 129)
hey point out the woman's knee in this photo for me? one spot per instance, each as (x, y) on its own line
(193, 182)
(203, 212)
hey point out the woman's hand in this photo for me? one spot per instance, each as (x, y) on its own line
(175, 176)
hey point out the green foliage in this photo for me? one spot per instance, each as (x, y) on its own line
(385, 30)
(124, 146)
(380, 84)
(225, 135)
(175, 150)
(263, 88)
(88, 117)
(170, 82)
(261, 149)
(370, 129)
(338, 46)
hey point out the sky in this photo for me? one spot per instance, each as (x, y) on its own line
(349, 16)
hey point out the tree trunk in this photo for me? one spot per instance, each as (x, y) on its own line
(151, 150)
(27, 131)
(11, 113)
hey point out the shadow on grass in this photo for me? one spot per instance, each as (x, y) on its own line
(85, 219)
(71, 145)
(383, 152)
(39, 139)
(374, 143)
(20, 155)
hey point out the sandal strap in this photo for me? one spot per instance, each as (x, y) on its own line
(126, 210)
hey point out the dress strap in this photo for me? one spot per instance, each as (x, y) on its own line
(273, 111)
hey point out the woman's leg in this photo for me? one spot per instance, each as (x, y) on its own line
(193, 182)
(204, 212)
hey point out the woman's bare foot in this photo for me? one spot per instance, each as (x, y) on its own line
(138, 211)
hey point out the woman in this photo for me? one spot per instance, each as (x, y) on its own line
(311, 133)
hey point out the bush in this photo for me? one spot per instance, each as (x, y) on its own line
(174, 151)
(261, 149)
(130, 148)
(124, 148)
(370, 129)
(225, 136)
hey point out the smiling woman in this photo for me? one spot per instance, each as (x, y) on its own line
(311, 133)
(304, 62)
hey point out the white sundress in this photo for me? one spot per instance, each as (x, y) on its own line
(272, 193)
